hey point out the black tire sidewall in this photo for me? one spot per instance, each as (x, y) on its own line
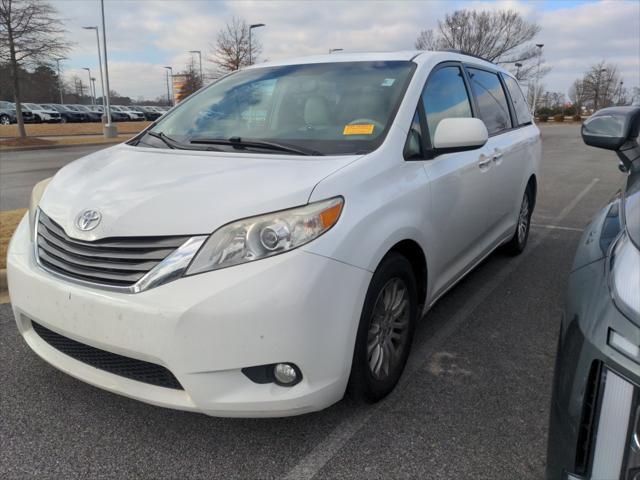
(2, 120)
(362, 384)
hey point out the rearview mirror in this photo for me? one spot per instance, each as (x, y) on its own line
(615, 128)
(459, 134)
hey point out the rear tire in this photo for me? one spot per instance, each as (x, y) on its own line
(5, 120)
(385, 332)
(518, 242)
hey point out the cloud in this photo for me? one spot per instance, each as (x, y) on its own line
(143, 36)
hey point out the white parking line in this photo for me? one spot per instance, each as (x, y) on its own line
(420, 355)
(557, 227)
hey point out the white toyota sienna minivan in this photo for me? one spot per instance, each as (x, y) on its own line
(271, 242)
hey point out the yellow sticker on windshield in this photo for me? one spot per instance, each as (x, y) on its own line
(360, 129)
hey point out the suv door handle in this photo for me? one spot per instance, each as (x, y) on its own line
(497, 157)
(485, 163)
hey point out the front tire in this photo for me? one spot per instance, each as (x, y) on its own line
(385, 332)
(5, 120)
(518, 242)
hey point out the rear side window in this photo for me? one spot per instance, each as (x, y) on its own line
(493, 108)
(445, 96)
(523, 115)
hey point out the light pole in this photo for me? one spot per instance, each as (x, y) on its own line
(251, 27)
(535, 92)
(93, 83)
(93, 100)
(620, 92)
(331, 50)
(518, 65)
(200, 61)
(169, 88)
(60, 78)
(109, 130)
(99, 63)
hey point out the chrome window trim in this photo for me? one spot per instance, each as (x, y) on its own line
(171, 268)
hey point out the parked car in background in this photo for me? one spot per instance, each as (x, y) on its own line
(273, 240)
(7, 116)
(27, 115)
(67, 115)
(133, 115)
(149, 112)
(595, 409)
(92, 116)
(119, 116)
(42, 114)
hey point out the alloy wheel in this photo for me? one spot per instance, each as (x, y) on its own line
(389, 329)
(523, 219)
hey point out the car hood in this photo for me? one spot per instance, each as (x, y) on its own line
(154, 192)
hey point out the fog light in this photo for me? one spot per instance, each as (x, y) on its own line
(624, 346)
(285, 374)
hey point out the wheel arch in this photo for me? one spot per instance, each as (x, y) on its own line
(533, 184)
(412, 251)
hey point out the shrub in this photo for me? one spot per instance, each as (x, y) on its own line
(558, 118)
(543, 118)
(577, 118)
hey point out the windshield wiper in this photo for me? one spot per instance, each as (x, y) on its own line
(168, 141)
(237, 142)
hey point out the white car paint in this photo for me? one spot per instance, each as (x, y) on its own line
(302, 306)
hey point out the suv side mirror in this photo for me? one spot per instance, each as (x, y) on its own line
(615, 128)
(459, 134)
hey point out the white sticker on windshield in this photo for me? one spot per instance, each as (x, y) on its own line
(387, 82)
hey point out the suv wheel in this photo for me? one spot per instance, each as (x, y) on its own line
(5, 120)
(518, 242)
(385, 332)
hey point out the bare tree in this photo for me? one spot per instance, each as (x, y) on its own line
(499, 36)
(577, 95)
(30, 34)
(232, 47)
(601, 85)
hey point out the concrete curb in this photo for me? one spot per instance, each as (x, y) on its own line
(55, 147)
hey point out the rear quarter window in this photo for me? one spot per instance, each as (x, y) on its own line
(523, 114)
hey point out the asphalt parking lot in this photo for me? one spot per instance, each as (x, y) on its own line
(473, 402)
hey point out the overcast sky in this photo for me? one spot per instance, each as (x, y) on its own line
(145, 35)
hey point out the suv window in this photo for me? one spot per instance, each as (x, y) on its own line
(493, 108)
(413, 145)
(445, 96)
(523, 114)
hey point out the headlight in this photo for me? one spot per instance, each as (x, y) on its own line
(266, 235)
(36, 196)
(625, 279)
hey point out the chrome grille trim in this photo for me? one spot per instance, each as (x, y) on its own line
(126, 264)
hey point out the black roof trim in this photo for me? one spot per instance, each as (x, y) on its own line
(462, 52)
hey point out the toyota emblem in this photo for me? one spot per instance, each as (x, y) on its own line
(88, 220)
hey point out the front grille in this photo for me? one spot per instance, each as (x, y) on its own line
(118, 262)
(131, 368)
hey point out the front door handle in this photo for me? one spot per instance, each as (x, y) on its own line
(485, 163)
(497, 157)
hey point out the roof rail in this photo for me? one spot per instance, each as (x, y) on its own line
(462, 52)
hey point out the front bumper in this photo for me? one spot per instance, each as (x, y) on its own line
(595, 393)
(297, 307)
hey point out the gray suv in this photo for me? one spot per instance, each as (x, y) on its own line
(595, 410)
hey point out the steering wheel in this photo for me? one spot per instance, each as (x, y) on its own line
(378, 127)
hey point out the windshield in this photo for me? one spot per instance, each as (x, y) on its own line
(33, 106)
(81, 108)
(331, 108)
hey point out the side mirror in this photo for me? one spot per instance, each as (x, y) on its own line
(459, 134)
(615, 128)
